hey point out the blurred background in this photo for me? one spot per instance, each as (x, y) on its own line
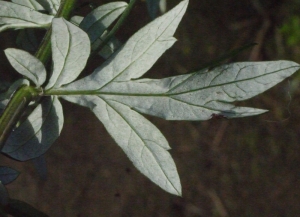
(228, 168)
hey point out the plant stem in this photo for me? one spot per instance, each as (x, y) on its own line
(25, 94)
(14, 110)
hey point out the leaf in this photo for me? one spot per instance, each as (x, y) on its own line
(70, 51)
(201, 95)
(3, 195)
(27, 65)
(109, 48)
(35, 135)
(15, 16)
(51, 6)
(143, 143)
(76, 20)
(29, 3)
(96, 22)
(8, 175)
(139, 53)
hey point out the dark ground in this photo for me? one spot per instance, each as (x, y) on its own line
(245, 167)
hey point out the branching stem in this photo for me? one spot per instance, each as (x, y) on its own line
(25, 94)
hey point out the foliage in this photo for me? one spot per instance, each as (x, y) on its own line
(115, 91)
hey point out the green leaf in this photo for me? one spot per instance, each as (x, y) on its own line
(27, 65)
(8, 175)
(70, 51)
(51, 6)
(108, 49)
(29, 3)
(35, 135)
(76, 20)
(139, 53)
(201, 95)
(16, 16)
(143, 143)
(97, 22)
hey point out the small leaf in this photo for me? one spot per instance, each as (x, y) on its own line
(35, 135)
(51, 6)
(16, 16)
(8, 175)
(29, 3)
(27, 65)
(139, 53)
(70, 51)
(3, 195)
(143, 143)
(96, 22)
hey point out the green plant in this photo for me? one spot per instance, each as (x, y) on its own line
(32, 116)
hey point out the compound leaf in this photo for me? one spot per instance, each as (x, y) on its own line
(70, 51)
(143, 143)
(18, 16)
(7, 175)
(35, 135)
(27, 65)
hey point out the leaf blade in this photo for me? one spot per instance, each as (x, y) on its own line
(70, 51)
(27, 65)
(35, 135)
(97, 22)
(24, 18)
(200, 95)
(29, 3)
(8, 175)
(143, 143)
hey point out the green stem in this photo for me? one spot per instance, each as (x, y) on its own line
(25, 94)
(65, 11)
(117, 26)
(14, 110)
